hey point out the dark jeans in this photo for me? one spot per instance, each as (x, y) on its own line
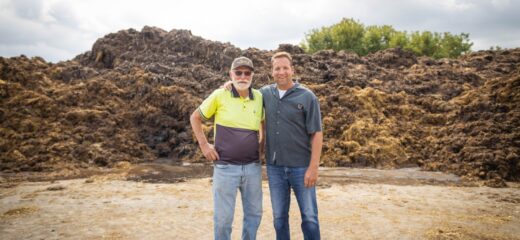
(281, 181)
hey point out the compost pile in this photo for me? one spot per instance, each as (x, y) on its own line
(130, 97)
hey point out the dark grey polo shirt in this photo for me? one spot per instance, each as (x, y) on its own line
(290, 122)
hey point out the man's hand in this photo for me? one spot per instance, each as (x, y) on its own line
(209, 152)
(311, 176)
(227, 85)
(207, 149)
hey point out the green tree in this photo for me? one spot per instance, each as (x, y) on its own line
(455, 45)
(495, 48)
(377, 38)
(424, 43)
(318, 39)
(351, 35)
(398, 39)
(347, 34)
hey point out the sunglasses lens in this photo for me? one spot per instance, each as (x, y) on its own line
(246, 73)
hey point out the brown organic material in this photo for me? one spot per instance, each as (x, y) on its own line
(130, 97)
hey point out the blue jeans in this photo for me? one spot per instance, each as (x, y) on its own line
(281, 181)
(227, 179)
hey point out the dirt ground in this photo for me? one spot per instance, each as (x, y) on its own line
(159, 201)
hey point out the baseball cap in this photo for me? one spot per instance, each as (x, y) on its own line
(242, 62)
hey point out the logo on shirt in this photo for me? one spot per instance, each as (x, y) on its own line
(300, 106)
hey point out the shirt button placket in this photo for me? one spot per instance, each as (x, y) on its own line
(277, 121)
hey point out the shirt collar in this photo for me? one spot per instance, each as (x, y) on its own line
(235, 93)
(274, 89)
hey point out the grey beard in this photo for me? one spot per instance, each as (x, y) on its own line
(241, 86)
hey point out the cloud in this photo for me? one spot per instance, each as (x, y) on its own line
(37, 49)
(60, 29)
(38, 28)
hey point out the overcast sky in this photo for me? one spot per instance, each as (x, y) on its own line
(61, 29)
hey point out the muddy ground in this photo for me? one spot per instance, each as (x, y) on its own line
(146, 202)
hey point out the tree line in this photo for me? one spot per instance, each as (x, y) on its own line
(351, 35)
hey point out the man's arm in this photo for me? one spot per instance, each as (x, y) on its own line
(261, 139)
(207, 149)
(311, 176)
(227, 85)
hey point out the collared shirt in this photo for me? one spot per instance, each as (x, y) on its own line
(290, 122)
(236, 124)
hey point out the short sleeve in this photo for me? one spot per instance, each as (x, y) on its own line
(209, 106)
(313, 116)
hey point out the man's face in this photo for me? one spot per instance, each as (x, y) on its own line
(282, 71)
(241, 77)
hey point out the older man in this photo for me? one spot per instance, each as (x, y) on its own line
(238, 115)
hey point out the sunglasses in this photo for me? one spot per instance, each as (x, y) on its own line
(246, 73)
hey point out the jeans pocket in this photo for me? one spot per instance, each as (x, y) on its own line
(222, 166)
